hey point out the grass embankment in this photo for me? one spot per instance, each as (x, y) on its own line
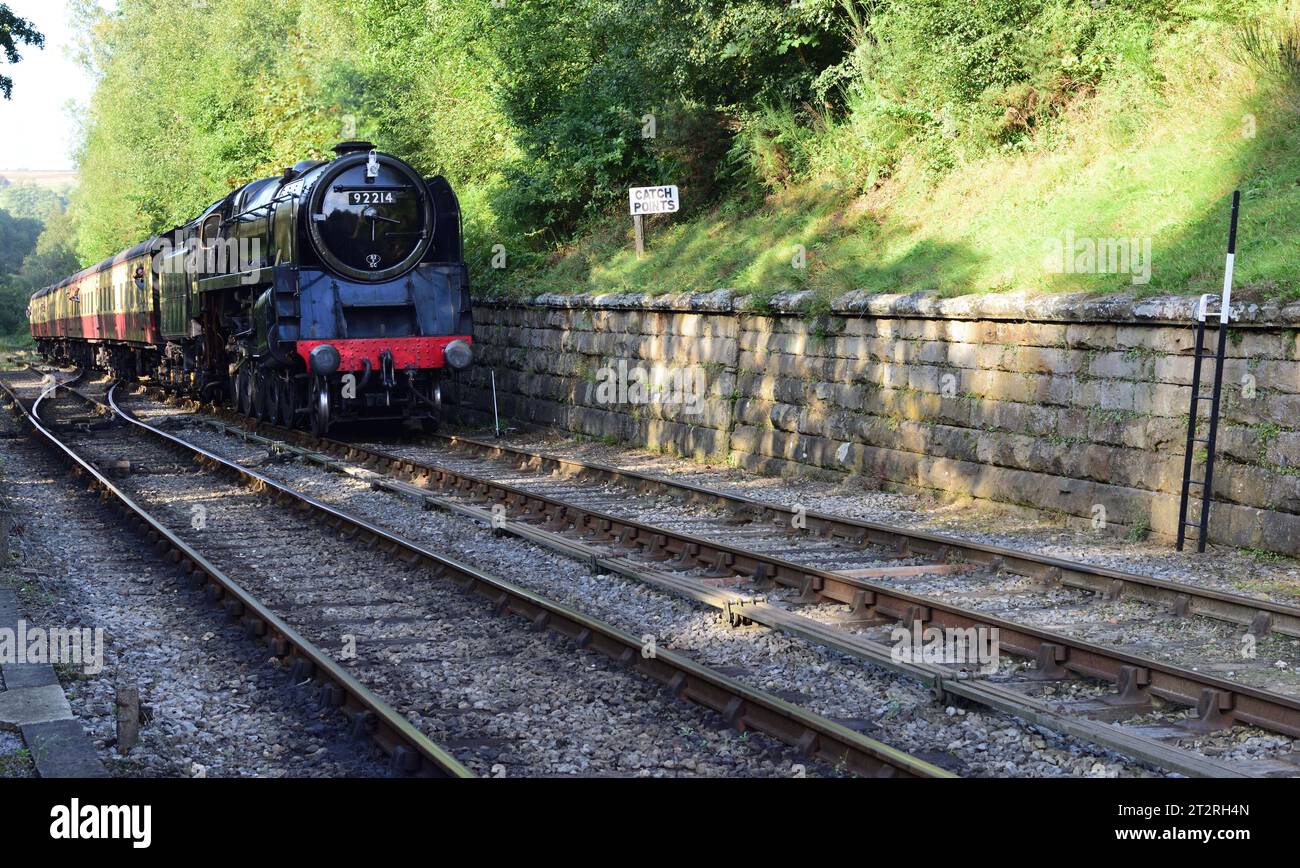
(1150, 158)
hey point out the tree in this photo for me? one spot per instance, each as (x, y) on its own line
(17, 239)
(578, 80)
(13, 31)
(52, 258)
(31, 200)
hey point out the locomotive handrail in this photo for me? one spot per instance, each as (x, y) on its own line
(277, 200)
(380, 188)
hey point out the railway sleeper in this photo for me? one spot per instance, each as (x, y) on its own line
(330, 695)
(738, 515)
(1210, 708)
(557, 519)
(1133, 690)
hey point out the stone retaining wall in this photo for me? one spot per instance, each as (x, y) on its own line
(1072, 404)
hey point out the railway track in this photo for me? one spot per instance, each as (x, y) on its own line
(215, 706)
(411, 751)
(306, 578)
(1261, 615)
(1134, 720)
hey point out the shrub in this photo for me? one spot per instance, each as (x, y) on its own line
(577, 79)
(774, 147)
(952, 78)
(1270, 44)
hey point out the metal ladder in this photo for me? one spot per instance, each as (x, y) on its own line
(1206, 483)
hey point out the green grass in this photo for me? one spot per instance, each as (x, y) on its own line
(1136, 160)
(19, 342)
(17, 764)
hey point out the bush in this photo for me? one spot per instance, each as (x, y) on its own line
(774, 148)
(951, 78)
(1270, 44)
(578, 79)
(17, 239)
(537, 110)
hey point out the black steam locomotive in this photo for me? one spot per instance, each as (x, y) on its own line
(337, 290)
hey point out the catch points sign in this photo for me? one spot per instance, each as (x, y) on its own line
(653, 200)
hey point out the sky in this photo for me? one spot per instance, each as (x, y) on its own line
(36, 129)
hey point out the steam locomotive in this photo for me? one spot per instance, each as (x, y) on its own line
(335, 291)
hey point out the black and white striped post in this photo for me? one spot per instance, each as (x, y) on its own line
(1202, 524)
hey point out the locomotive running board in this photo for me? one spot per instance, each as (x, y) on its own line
(242, 278)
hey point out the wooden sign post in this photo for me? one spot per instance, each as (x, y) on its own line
(650, 200)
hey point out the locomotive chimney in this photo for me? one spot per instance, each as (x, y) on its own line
(342, 149)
